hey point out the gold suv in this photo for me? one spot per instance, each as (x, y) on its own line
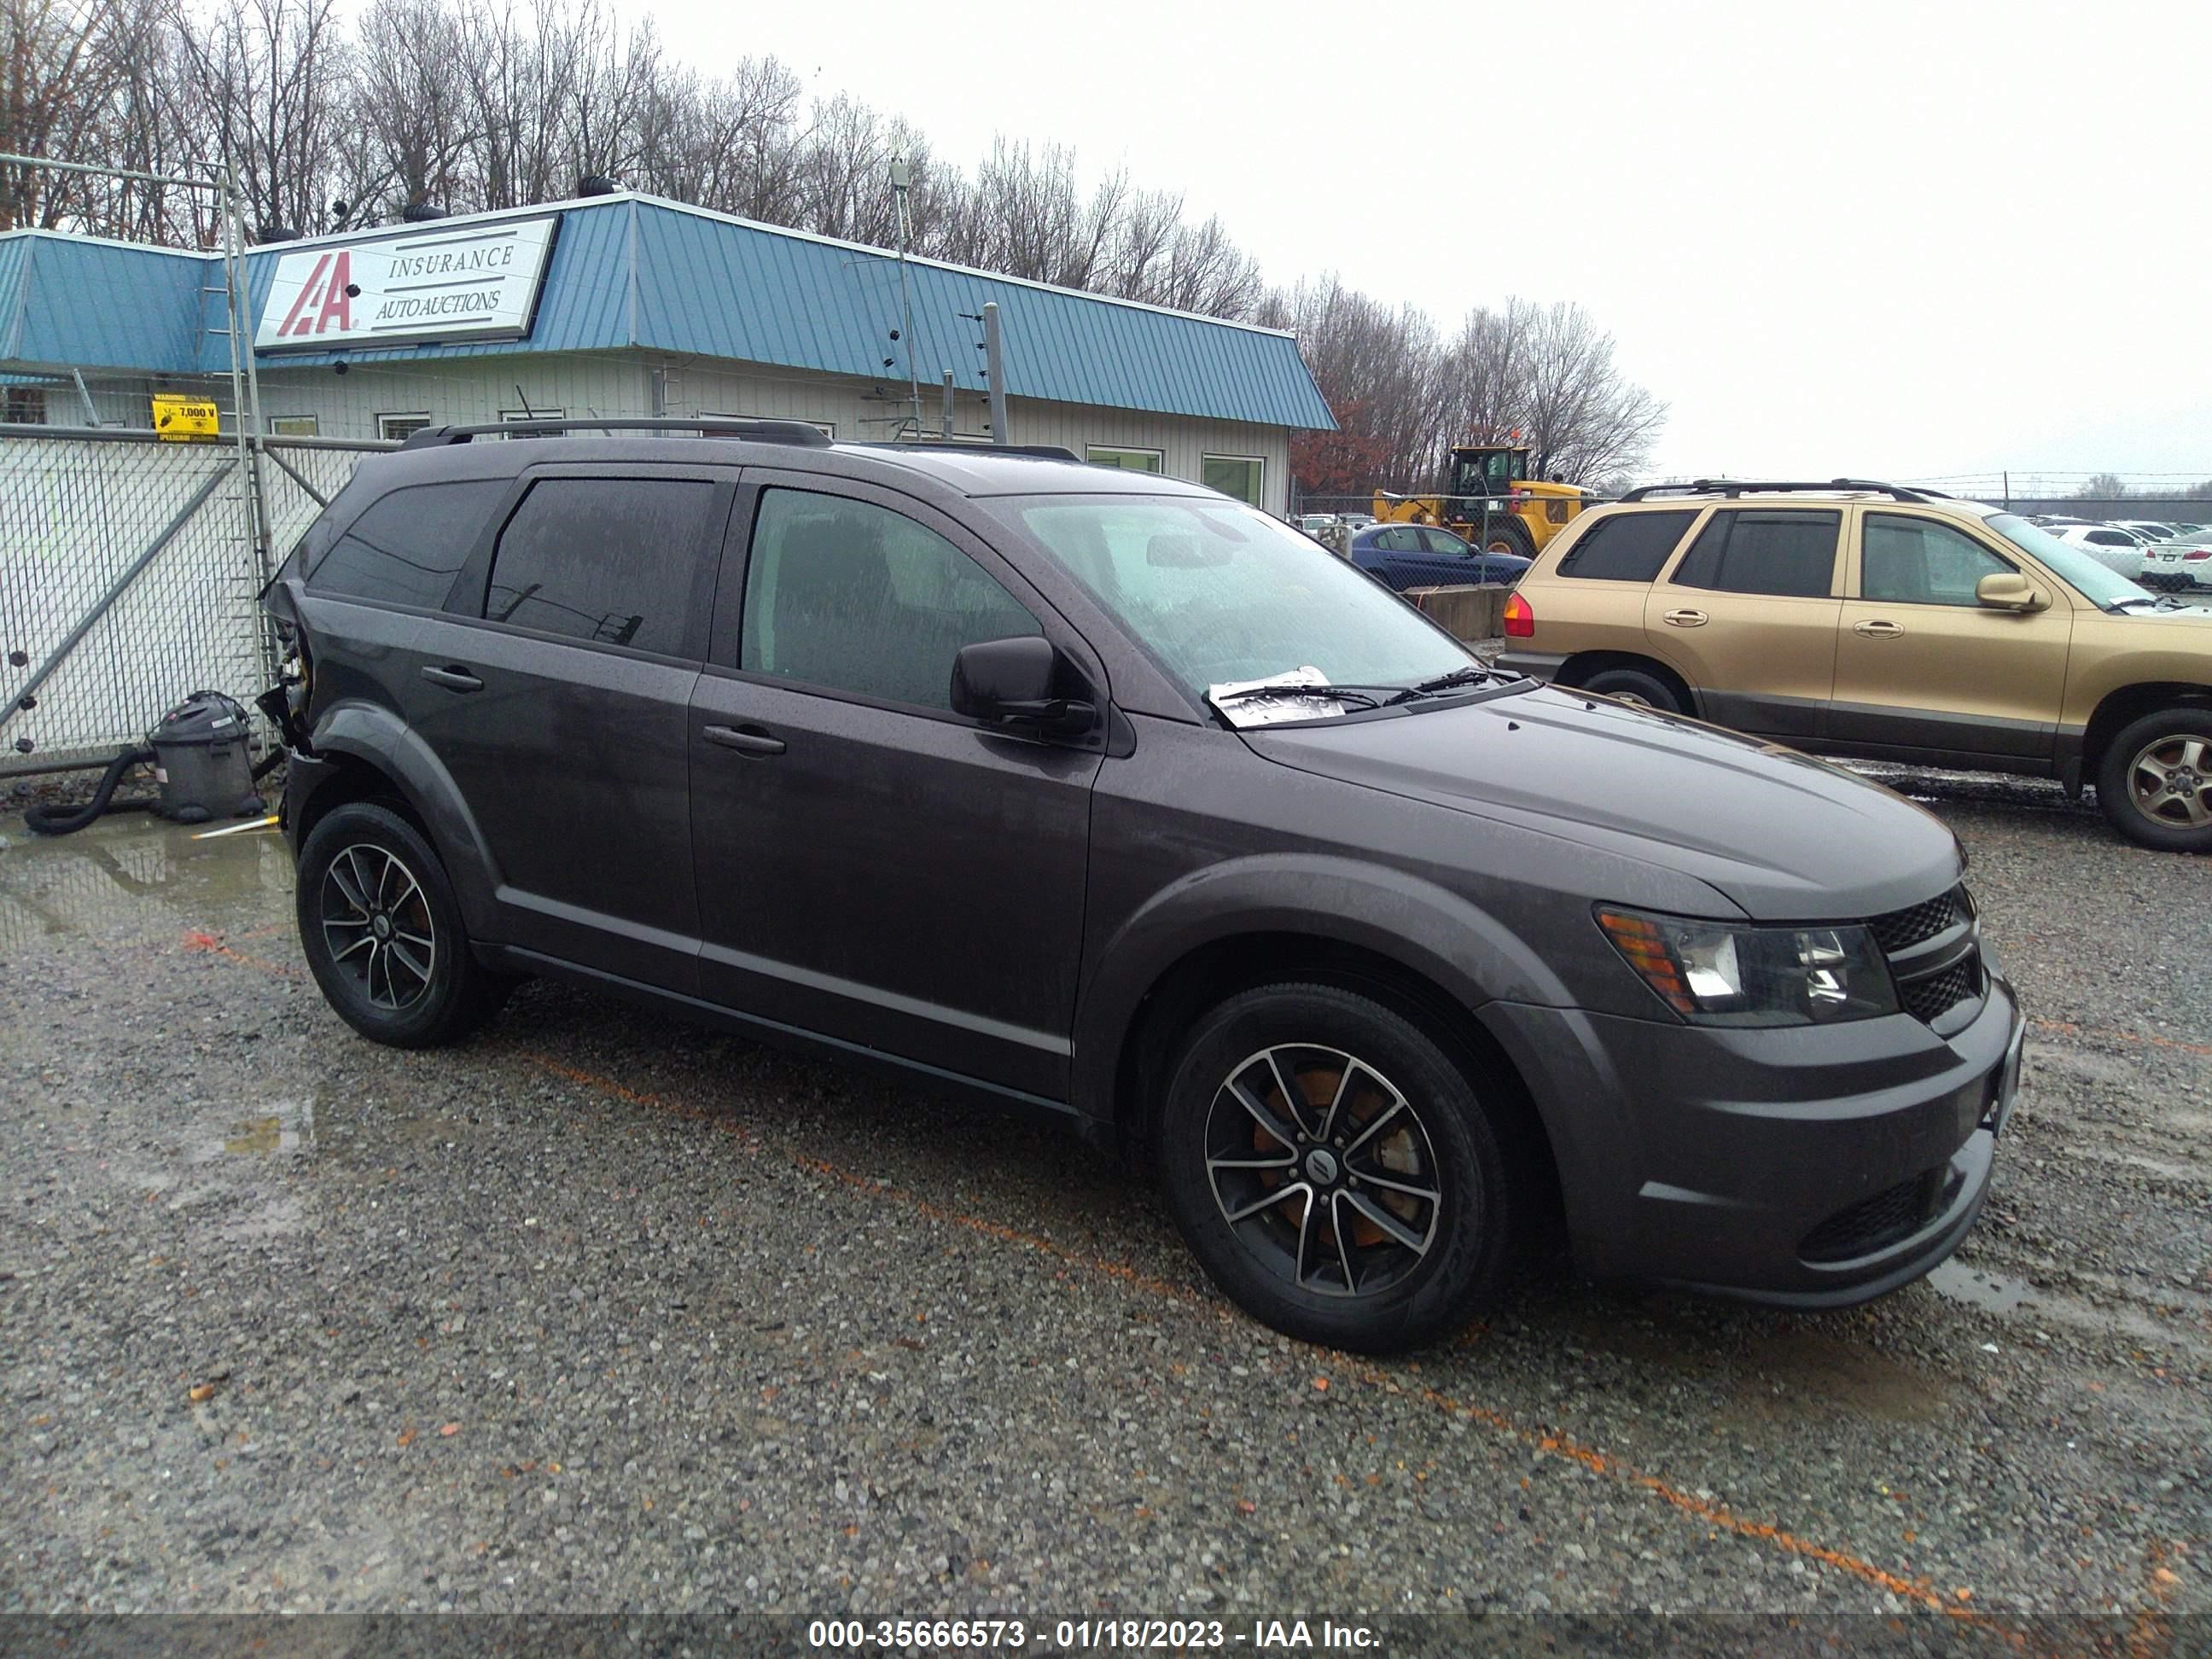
(1867, 619)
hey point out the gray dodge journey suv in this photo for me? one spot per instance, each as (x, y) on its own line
(1107, 796)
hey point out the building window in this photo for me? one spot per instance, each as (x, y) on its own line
(827, 429)
(533, 414)
(1241, 475)
(295, 426)
(394, 428)
(27, 406)
(1135, 460)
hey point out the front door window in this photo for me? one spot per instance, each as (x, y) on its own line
(1911, 561)
(851, 597)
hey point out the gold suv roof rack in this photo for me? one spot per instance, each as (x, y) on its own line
(1734, 488)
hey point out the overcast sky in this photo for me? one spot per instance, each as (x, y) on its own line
(1900, 239)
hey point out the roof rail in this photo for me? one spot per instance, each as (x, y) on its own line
(938, 446)
(1734, 488)
(765, 432)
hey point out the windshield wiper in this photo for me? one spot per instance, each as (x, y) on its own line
(1470, 675)
(1301, 690)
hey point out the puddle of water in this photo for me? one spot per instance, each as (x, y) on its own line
(284, 1130)
(136, 878)
(259, 1137)
(1803, 1372)
(1978, 1287)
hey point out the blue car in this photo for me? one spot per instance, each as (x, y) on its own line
(1407, 555)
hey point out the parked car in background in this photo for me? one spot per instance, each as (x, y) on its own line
(2120, 552)
(1407, 555)
(1020, 777)
(1887, 622)
(2179, 566)
(2151, 530)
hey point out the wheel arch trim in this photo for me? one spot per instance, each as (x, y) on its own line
(1423, 929)
(375, 737)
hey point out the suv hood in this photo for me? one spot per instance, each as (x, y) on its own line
(1781, 835)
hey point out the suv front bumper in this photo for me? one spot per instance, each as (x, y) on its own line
(1804, 1167)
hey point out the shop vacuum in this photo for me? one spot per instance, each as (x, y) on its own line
(199, 757)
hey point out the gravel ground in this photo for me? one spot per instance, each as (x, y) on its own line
(597, 1312)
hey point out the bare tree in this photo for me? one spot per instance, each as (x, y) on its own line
(265, 81)
(412, 113)
(1380, 371)
(1547, 373)
(56, 79)
(1582, 419)
(2101, 487)
(513, 74)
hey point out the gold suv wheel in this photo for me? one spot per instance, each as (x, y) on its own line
(2169, 779)
(2155, 780)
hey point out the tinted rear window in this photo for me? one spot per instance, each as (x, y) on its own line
(1632, 547)
(408, 546)
(608, 560)
(1792, 555)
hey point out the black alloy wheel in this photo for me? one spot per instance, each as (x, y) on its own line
(377, 926)
(381, 929)
(1335, 1171)
(1321, 1164)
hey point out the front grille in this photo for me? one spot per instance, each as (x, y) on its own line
(1937, 994)
(1875, 1223)
(1925, 990)
(1900, 930)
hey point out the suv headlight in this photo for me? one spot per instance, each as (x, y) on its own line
(1713, 973)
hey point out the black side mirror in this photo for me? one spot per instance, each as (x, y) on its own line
(1022, 682)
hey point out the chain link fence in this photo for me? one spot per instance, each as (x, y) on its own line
(130, 577)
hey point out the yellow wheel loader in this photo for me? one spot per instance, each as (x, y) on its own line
(1493, 502)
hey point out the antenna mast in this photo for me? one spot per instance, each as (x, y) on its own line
(902, 177)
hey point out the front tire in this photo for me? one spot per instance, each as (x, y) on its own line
(2154, 782)
(1334, 1172)
(1505, 533)
(381, 930)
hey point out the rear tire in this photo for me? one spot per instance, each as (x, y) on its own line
(1351, 1254)
(2155, 781)
(381, 930)
(1634, 685)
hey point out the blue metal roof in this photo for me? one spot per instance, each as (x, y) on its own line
(78, 302)
(637, 272)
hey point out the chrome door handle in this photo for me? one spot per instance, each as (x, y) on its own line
(455, 679)
(1878, 630)
(1688, 618)
(746, 740)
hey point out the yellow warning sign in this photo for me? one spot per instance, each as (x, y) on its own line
(179, 418)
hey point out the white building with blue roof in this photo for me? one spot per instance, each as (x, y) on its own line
(629, 305)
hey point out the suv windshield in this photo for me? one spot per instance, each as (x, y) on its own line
(1218, 592)
(2101, 585)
